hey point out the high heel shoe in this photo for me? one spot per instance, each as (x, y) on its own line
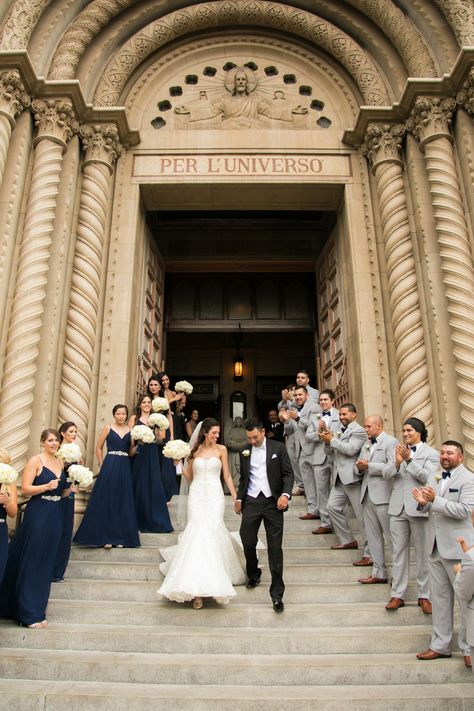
(197, 603)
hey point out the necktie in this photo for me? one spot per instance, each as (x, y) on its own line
(343, 429)
(373, 440)
(413, 449)
(446, 475)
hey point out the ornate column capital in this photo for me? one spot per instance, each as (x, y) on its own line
(101, 144)
(13, 97)
(465, 97)
(431, 119)
(55, 120)
(382, 143)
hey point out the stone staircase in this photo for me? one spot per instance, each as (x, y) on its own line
(112, 645)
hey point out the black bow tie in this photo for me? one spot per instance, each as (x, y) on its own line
(413, 449)
(446, 475)
(326, 414)
(343, 429)
(373, 440)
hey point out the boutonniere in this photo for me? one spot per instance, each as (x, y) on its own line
(246, 453)
(318, 416)
(438, 477)
(367, 446)
(338, 433)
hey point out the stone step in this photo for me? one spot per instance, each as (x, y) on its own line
(210, 669)
(27, 695)
(237, 614)
(290, 539)
(144, 591)
(196, 640)
(294, 572)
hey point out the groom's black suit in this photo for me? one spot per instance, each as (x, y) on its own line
(254, 510)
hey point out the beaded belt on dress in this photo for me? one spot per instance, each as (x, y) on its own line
(51, 498)
(2, 520)
(119, 454)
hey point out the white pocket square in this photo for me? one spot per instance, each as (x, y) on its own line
(274, 456)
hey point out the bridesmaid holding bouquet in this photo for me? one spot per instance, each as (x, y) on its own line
(8, 505)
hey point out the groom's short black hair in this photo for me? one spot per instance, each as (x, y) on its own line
(253, 423)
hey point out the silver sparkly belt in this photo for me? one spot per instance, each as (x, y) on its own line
(51, 498)
(2, 520)
(119, 454)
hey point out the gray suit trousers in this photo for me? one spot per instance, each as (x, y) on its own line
(322, 475)
(296, 471)
(377, 527)
(402, 528)
(307, 474)
(442, 592)
(341, 495)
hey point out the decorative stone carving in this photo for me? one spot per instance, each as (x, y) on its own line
(24, 328)
(382, 147)
(221, 13)
(13, 99)
(465, 97)
(460, 15)
(434, 115)
(102, 147)
(20, 23)
(54, 119)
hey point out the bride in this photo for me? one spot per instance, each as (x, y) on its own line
(205, 563)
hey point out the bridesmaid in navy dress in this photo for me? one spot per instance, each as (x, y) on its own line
(26, 585)
(150, 498)
(68, 433)
(154, 386)
(109, 519)
(8, 507)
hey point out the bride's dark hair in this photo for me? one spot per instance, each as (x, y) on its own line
(206, 427)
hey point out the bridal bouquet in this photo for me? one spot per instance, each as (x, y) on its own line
(8, 476)
(69, 453)
(81, 476)
(160, 404)
(142, 433)
(157, 420)
(176, 449)
(182, 386)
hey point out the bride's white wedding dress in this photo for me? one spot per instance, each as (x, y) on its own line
(205, 562)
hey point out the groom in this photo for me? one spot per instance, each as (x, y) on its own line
(266, 481)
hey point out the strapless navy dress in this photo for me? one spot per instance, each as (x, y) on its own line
(64, 550)
(3, 541)
(150, 498)
(168, 471)
(109, 518)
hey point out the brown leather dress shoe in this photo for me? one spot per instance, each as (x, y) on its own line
(372, 580)
(430, 654)
(322, 529)
(425, 605)
(394, 603)
(309, 517)
(468, 661)
(365, 561)
(297, 492)
(344, 546)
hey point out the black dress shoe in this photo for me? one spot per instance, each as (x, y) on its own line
(278, 605)
(253, 582)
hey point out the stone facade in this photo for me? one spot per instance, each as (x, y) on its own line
(114, 107)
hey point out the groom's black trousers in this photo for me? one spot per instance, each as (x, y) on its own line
(254, 511)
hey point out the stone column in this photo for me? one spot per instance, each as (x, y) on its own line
(382, 147)
(102, 148)
(55, 125)
(429, 123)
(13, 99)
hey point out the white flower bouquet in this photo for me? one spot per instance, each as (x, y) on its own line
(8, 476)
(69, 452)
(182, 386)
(142, 433)
(160, 404)
(81, 476)
(176, 449)
(246, 453)
(158, 420)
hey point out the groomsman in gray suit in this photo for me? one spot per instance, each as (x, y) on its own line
(346, 445)
(287, 403)
(307, 408)
(449, 503)
(323, 460)
(375, 493)
(414, 464)
(464, 588)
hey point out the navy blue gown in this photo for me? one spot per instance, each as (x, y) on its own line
(64, 549)
(26, 585)
(150, 498)
(109, 518)
(168, 471)
(3, 541)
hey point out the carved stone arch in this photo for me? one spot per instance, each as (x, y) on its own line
(460, 17)
(221, 14)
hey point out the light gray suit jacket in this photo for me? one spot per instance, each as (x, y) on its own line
(383, 452)
(464, 589)
(333, 423)
(450, 513)
(346, 448)
(304, 446)
(412, 475)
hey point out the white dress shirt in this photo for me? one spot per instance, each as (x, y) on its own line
(258, 479)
